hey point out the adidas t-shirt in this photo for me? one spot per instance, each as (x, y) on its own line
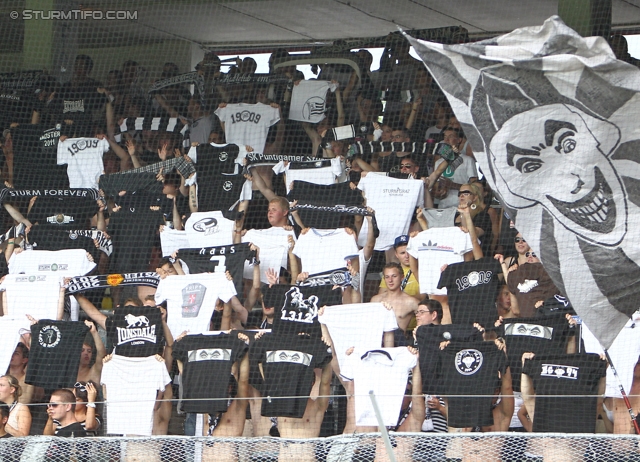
(565, 375)
(471, 369)
(135, 331)
(323, 250)
(274, 247)
(248, 124)
(471, 289)
(54, 355)
(543, 336)
(191, 300)
(288, 362)
(207, 359)
(218, 260)
(207, 229)
(395, 201)
(359, 325)
(71, 262)
(433, 248)
(83, 157)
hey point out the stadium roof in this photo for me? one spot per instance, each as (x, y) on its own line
(261, 23)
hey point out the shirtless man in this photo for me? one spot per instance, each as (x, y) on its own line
(309, 425)
(403, 304)
(231, 422)
(86, 370)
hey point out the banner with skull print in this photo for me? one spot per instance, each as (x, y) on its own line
(552, 120)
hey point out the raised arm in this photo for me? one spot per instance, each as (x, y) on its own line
(101, 351)
(91, 311)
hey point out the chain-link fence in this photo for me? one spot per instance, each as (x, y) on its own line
(356, 448)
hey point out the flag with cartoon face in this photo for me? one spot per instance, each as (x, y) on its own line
(552, 120)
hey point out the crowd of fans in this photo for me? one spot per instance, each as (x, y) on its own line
(271, 236)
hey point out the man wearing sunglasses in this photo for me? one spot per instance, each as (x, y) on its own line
(61, 409)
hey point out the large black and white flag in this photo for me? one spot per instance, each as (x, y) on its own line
(552, 120)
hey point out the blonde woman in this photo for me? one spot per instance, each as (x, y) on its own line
(19, 423)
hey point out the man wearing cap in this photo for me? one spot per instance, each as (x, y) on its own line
(403, 304)
(409, 284)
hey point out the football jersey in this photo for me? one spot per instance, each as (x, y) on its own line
(135, 331)
(385, 372)
(191, 300)
(45, 238)
(132, 387)
(207, 229)
(433, 248)
(543, 336)
(323, 250)
(288, 362)
(207, 359)
(395, 201)
(55, 352)
(72, 262)
(219, 177)
(274, 249)
(34, 294)
(248, 124)
(297, 308)
(83, 157)
(565, 375)
(308, 100)
(470, 369)
(471, 289)
(218, 260)
(359, 325)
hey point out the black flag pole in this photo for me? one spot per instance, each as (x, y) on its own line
(624, 395)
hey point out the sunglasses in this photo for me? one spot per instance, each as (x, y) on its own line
(80, 386)
(406, 166)
(530, 254)
(463, 193)
(53, 404)
(517, 240)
